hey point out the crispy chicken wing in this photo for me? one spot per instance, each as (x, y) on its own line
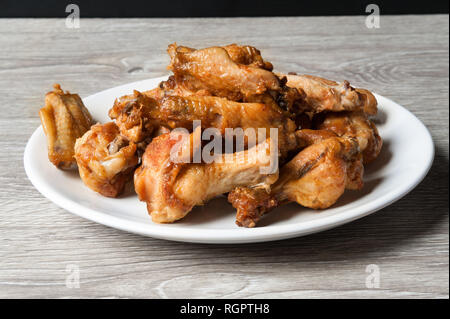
(172, 189)
(106, 160)
(212, 69)
(241, 54)
(138, 116)
(64, 119)
(237, 73)
(132, 115)
(358, 126)
(355, 167)
(320, 173)
(327, 95)
(316, 177)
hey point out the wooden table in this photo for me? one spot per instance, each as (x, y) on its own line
(406, 59)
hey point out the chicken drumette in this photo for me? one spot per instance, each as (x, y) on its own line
(171, 188)
(137, 116)
(316, 177)
(326, 95)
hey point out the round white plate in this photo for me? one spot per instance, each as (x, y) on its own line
(405, 159)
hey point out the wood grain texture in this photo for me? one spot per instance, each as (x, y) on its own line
(407, 60)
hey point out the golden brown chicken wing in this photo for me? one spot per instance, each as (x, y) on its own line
(321, 173)
(172, 189)
(64, 118)
(327, 95)
(138, 115)
(106, 160)
(212, 69)
(237, 73)
(355, 168)
(316, 177)
(132, 115)
(355, 125)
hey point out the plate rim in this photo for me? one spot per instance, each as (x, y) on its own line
(229, 236)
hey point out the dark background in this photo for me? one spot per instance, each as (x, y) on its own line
(212, 8)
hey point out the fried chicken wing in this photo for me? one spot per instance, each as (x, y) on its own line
(358, 126)
(212, 69)
(241, 54)
(172, 189)
(355, 167)
(321, 173)
(105, 159)
(132, 115)
(316, 177)
(64, 118)
(237, 73)
(327, 95)
(138, 116)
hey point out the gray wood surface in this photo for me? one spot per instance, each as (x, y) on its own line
(406, 59)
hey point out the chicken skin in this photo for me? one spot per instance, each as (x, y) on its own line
(355, 168)
(327, 95)
(106, 160)
(355, 125)
(64, 118)
(171, 189)
(247, 55)
(316, 177)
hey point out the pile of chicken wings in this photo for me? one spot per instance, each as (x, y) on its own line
(324, 136)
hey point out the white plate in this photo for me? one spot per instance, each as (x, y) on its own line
(405, 159)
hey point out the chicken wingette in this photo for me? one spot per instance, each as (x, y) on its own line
(64, 118)
(326, 95)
